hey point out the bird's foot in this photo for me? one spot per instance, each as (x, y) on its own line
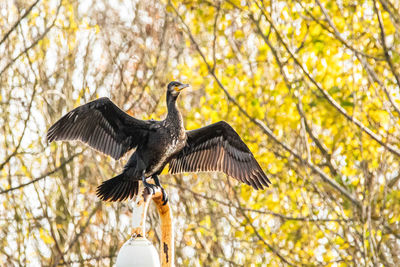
(164, 193)
(151, 188)
(164, 196)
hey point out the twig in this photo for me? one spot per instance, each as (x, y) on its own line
(33, 44)
(385, 49)
(275, 251)
(77, 235)
(18, 21)
(264, 128)
(42, 176)
(281, 216)
(330, 99)
(359, 55)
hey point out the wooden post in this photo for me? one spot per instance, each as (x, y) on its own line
(139, 223)
(167, 234)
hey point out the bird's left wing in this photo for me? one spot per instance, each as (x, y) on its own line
(217, 147)
(103, 126)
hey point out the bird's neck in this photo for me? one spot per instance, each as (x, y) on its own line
(173, 111)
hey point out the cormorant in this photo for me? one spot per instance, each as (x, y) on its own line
(105, 127)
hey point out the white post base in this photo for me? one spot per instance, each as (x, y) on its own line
(138, 252)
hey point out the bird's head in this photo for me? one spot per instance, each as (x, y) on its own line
(174, 88)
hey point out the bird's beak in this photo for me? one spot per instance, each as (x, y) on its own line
(181, 87)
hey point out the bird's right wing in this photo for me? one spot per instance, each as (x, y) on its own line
(217, 147)
(101, 125)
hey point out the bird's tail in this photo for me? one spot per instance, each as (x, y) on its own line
(118, 188)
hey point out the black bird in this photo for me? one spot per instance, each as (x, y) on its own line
(105, 127)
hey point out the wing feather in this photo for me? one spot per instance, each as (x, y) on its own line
(202, 160)
(218, 147)
(103, 126)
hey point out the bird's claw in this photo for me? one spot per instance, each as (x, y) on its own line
(164, 193)
(150, 188)
(164, 196)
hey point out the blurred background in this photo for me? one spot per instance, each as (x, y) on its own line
(311, 86)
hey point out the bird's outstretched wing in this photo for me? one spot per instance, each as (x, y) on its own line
(101, 125)
(217, 147)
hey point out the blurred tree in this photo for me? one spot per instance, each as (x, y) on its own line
(311, 86)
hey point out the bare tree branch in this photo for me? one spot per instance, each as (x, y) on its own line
(33, 44)
(18, 22)
(274, 250)
(15, 152)
(360, 56)
(330, 99)
(280, 216)
(385, 48)
(41, 176)
(264, 128)
(77, 235)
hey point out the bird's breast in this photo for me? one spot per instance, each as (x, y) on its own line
(163, 149)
